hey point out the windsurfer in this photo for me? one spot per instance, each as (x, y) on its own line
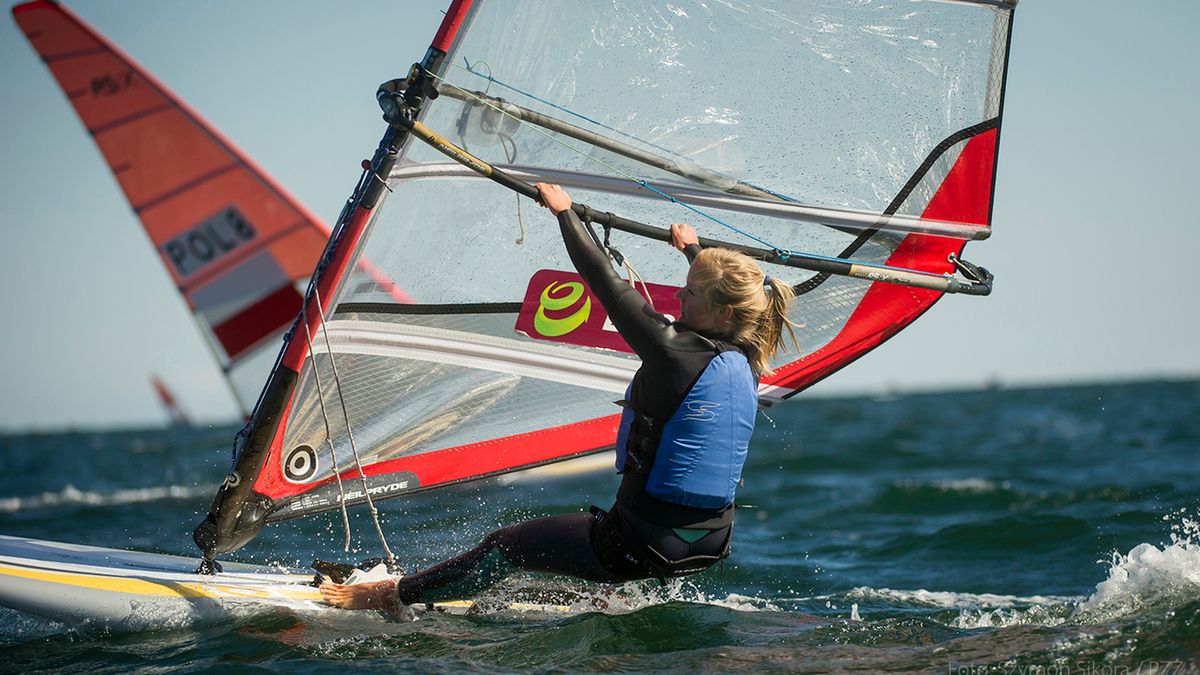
(685, 429)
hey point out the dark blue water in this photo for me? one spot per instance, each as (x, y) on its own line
(1047, 530)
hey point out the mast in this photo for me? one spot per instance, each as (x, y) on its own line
(238, 512)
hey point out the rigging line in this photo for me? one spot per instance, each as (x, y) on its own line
(390, 557)
(632, 274)
(511, 157)
(622, 259)
(470, 69)
(337, 471)
(781, 252)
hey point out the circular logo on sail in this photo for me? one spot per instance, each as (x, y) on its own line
(300, 464)
(558, 297)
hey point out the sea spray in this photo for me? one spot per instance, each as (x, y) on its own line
(1149, 576)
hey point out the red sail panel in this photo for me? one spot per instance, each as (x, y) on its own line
(963, 196)
(559, 307)
(208, 209)
(241, 331)
(178, 417)
(230, 237)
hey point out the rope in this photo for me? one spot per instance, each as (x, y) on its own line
(337, 471)
(631, 273)
(623, 260)
(390, 557)
(322, 262)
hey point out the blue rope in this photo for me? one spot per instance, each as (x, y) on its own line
(783, 253)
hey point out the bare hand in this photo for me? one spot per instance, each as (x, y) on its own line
(682, 236)
(553, 197)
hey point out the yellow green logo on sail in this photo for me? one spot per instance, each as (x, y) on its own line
(549, 327)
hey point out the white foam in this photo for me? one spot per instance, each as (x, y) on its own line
(952, 600)
(1150, 576)
(636, 595)
(71, 495)
(978, 610)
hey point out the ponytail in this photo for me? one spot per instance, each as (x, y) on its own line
(773, 322)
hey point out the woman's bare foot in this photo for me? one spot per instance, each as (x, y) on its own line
(374, 595)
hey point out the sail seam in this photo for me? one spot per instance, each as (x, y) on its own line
(128, 119)
(184, 187)
(74, 55)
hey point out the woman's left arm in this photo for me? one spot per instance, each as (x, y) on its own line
(627, 309)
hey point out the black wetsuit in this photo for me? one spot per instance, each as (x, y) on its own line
(640, 537)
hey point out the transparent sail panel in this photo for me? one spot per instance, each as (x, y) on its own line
(854, 130)
(828, 103)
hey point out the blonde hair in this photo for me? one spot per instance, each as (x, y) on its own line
(759, 320)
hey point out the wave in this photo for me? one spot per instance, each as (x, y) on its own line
(72, 496)
(1150, 577)
(1027, 533)
(952, 600)
(1160, 579)
(914, 496)
(972, 610)
(623, 598)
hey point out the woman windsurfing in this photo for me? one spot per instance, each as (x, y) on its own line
(685, 430)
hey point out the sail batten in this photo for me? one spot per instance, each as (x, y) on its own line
(816, 215)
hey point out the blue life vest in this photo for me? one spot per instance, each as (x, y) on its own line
(700, 452)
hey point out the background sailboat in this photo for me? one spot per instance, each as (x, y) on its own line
(237, 245)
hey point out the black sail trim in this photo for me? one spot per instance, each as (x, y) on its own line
(902, 196)
(444, 308)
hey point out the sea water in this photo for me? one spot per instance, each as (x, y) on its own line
(1035, 530)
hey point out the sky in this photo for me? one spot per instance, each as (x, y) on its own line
(1092, 248)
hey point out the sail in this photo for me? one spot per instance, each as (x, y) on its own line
(850, 145)
(237, 245)
(175, 413)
